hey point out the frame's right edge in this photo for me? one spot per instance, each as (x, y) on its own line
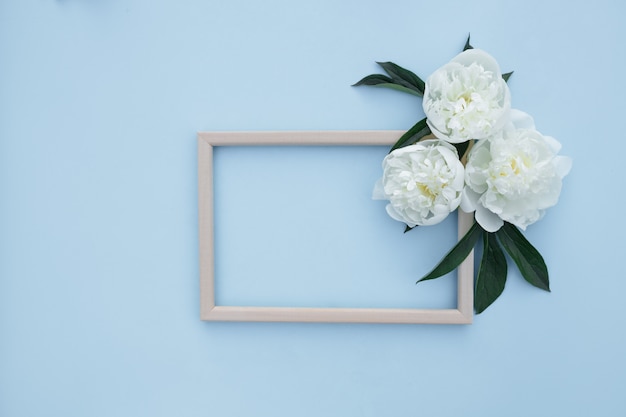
(465, 272)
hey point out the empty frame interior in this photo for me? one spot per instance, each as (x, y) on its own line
(207, 141)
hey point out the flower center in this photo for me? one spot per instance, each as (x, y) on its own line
(426, 190)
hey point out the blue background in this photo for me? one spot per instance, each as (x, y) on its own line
(100, 101)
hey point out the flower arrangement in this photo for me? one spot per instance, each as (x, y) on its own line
(473, 152)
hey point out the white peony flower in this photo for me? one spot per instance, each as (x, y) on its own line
(423, 182)
(514, 176)
(467, 98)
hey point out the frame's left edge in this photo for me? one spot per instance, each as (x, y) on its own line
(205, 226)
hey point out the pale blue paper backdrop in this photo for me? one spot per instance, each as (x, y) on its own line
(100, 101)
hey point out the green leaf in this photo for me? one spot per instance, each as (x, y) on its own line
(404, 77)
(402, 88)
(374, 79)
(507, 76)
(379, 80)
(467, 44)
(414, 134)
(528, 259)
(408, 228)
(461, 148)
(491, 276)
(456, 255)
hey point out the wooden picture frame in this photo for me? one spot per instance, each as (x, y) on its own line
(209, 311)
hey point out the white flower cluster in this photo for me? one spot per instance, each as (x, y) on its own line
(512, 173)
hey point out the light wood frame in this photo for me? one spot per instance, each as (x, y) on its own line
(463, 314)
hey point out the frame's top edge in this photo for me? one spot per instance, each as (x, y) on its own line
(304, 137)
(256, 132)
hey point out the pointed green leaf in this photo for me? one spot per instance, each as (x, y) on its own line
(403, 77)
(414, 134)
(379, 80)
(467, 44)
(373, 79)
(408, 228)
(491, 276)
(528, 259)
(399, 87)
(456, 255)
(507, 76)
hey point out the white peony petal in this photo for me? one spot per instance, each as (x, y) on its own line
(478, 56)
(563, 165)
(469, 200)
(391, 211)
(440, 135)
(521, 120)
(488, 220)
(554, 144)
(379, 191)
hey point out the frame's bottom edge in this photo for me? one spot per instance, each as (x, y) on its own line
(336, 315)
